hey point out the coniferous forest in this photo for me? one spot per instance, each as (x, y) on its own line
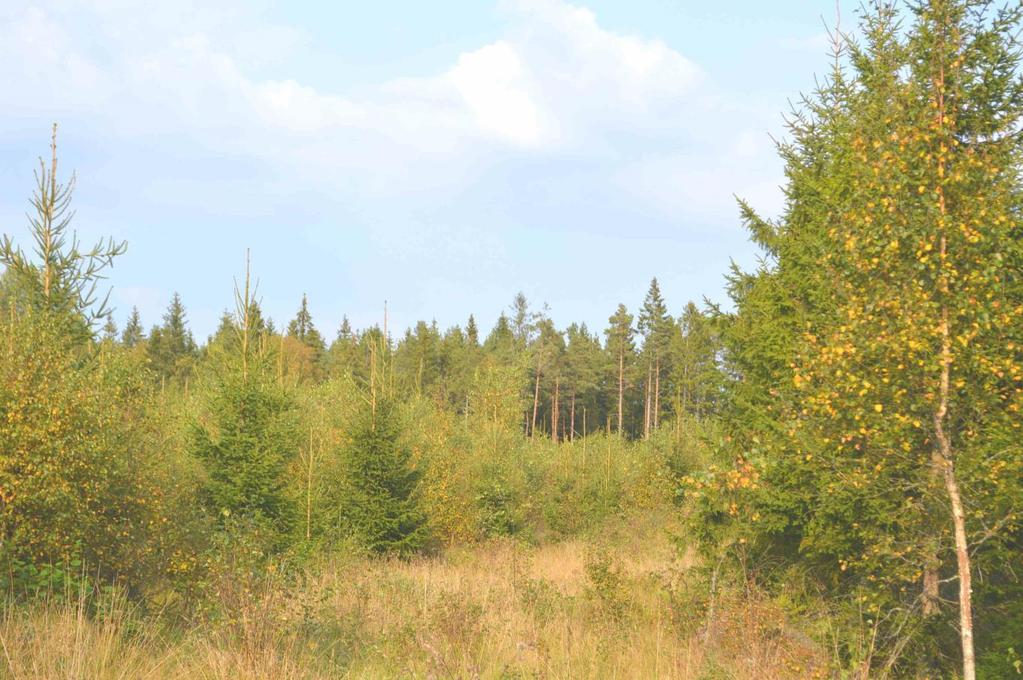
(822, 478)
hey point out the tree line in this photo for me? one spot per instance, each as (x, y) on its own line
(641, 373)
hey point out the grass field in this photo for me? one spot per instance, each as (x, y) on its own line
(629, 605)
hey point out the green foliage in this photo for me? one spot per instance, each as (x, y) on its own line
(384, 506)
(74, 462)
(244, 432)
(246, 438)
(876, 353)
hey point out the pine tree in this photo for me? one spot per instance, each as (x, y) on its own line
(584, 365)
(621, 348)
(547, 351)
(457, 360)
(417, 356)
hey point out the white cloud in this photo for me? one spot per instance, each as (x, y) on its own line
(494, 84)
(557, 76)
(557, 84)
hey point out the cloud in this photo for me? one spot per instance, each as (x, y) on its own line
(498, 92)
(559, 119)
(558, 132)
(554, 82)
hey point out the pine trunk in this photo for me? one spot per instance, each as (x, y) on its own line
(554, 409)
(657, 394)
(621, 387)
(571, 432)
(646, 401)
(536, 402)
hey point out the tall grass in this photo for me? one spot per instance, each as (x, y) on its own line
(622, 608)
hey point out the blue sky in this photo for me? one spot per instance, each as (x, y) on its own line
(442, 156)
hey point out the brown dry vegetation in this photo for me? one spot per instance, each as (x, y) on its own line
(625, 606)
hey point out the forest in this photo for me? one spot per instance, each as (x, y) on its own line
(822, 478)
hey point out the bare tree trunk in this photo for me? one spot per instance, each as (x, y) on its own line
(246, 317)
(373, 382)
(621, 387)
(554, 409)
(280, 362)
(679, 410)
(657, 394)
(48, 202)
(965, 576)
(646, 404)
(309, 490)
(944, 440)
(536, 402)
(952, 489)
(648, 393)
(419, 379)
(571, 432)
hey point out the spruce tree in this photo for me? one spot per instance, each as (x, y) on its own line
(344, 332)
(133, 333)
(656, 327)
(246, 447)
(171, 349)
(110, 330)
(63, 280)
(245, 432)
(500, 343)
(384, 509)
(341, 357)
(302, 328)
(472, 333)
(523, 321)
(696, 376)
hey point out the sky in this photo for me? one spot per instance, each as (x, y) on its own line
(440, 156)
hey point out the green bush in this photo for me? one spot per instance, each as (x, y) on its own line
(75, 468)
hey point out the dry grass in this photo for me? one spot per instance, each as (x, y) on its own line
(502, 610)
